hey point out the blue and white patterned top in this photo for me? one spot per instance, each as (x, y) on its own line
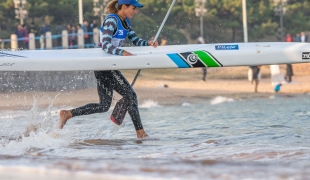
(114, 31)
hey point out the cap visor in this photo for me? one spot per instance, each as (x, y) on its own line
(138, 5)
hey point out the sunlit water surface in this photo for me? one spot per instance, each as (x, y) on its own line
(222, 138)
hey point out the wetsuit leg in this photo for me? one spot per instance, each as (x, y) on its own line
(106, 82)
(122, 86)
(105, 92)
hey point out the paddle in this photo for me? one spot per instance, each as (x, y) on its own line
(121, 107)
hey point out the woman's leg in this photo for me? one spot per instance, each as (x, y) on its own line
(122, 86)
(105, 92)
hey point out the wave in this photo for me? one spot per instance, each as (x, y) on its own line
(149, 104)
(221, 99)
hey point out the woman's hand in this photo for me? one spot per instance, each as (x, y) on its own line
(125, 53)
(155, 44)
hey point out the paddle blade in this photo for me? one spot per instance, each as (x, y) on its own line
(119, 112)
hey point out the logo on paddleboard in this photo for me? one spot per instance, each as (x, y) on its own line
(226, 47)
(192, 58)
(306, 55)
(199, 58)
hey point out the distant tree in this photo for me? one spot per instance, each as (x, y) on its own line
(297, 18)
(222, 22)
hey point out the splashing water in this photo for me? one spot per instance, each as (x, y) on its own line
(40, 133)
(109, 132)
(34, 119)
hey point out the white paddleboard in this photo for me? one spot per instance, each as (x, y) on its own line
(174, 56)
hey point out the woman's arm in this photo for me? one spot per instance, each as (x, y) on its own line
(108, 30)
(132, 36)
(140, 42)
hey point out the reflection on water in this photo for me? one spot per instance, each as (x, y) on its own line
(259, 138)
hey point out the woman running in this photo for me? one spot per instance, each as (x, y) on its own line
(115, 28)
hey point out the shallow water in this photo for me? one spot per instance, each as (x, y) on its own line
(222, 138)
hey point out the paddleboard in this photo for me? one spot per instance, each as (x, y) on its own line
(146, 57)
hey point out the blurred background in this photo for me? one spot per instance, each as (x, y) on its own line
(222, 22)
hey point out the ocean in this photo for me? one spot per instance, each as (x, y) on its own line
(219, 138)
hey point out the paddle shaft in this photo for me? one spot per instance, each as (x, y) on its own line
(164, 21)
(134, 80)
(156, 36)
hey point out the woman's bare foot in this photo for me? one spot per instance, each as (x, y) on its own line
(141, 134)
(64, 116)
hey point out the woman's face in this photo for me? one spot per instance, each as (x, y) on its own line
(129, 11)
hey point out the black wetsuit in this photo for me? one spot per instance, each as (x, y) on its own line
(107, 81)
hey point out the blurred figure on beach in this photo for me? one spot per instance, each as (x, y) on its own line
(254, 76)
(44, 29)
(20, 34)
(69, 30)
(277, 88)
(92, 26)
(1, 42)
(277, 77)
(298, 39)
(85, 28)
(163, 41)
(289, 69)
(26, 33)
(73, 37)
(303, 37)
(33, 29)
(42, 37)
(288, 38)
(204, 74)
(200, 40)
(289, 73)
(58, 31)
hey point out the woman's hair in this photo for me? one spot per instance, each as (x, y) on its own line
(113, 7)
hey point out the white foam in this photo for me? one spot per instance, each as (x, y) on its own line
(149, 104)
(186, 104)
(36, 141)
(220, 99)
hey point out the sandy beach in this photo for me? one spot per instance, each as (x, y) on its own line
(168, 87)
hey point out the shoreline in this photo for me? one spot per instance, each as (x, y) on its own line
(175, 93)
